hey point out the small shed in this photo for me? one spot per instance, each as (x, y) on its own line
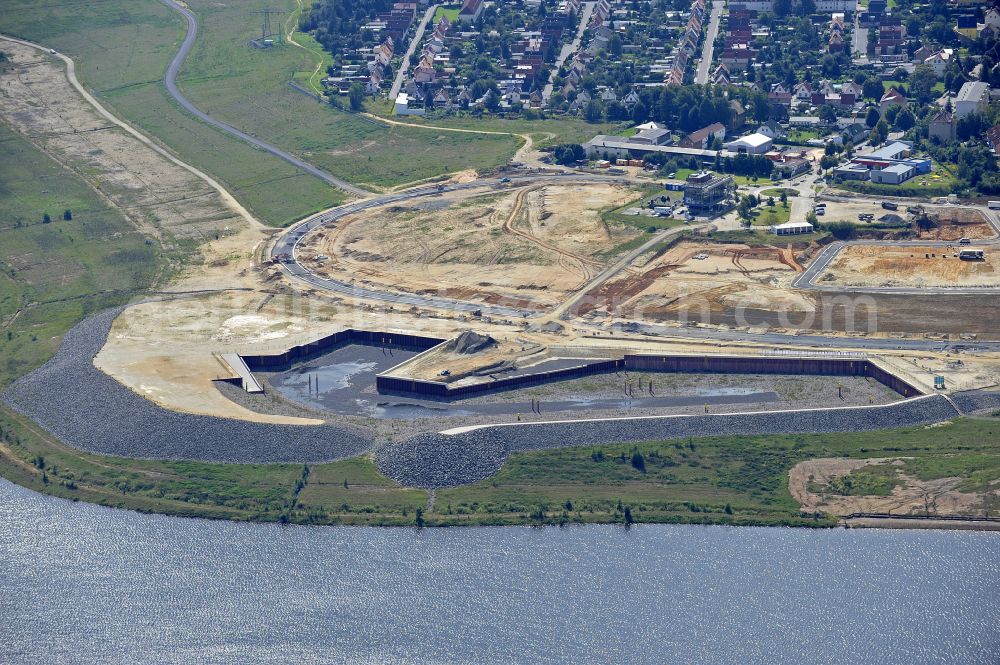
(792, 228)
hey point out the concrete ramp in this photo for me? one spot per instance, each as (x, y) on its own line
(240, 369)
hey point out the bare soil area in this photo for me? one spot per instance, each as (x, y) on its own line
(809, 484)
(916, 266)
(531, 245)
(702, 277)
(955, 223)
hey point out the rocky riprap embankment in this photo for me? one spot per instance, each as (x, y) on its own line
(89, 410)
(438, 460)
(977, 401)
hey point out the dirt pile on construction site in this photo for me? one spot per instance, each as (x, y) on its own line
(470, 342)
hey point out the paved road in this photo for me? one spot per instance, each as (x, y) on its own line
(821, 341)
(404, 64)
(708, 50)
(170, 80)
(859, 45)
(572, 47)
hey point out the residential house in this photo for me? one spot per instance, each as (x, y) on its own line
(738, 117)
(892, 97)
(772, 130)
(942, 127)
(701, 138)
(471, 11)
(939, 61)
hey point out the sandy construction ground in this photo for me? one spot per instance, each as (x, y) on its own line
(531, 245)
(954, 223)
(886, 266)
(695, 276)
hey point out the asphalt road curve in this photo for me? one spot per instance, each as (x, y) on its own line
(170, 80)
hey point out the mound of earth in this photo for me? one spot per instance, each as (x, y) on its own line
(470, 342)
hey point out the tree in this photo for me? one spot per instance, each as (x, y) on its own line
(782, 8)
(784, 197)
(593, 111)
(615, 46)
(905, 119)
(881, 131)
(356, 97)
(827, 114)
(567, 153)
(640, 113)
(922, 82)
(68, 215)
(745, 210)
(46, 219)
(491, 101)
(872, 117)
(872, 88)
(638, 461)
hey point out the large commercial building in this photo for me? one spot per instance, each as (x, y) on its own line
(705, 192)
(891, 165)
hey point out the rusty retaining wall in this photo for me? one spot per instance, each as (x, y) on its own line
(676, 364)
(324, 344)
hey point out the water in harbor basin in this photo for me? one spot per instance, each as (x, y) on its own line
(81, 584)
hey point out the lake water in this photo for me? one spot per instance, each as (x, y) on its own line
(81, 583)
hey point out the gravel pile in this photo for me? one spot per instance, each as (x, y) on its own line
(89, 410)
(434, 460)
(977, 401)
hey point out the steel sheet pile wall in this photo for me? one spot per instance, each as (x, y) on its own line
(678, 364)
(770, 365)
(395, 385)
(349, 336)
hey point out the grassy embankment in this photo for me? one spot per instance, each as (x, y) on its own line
(51, 275)
(121, 49)
(720, 480)
(248, 88)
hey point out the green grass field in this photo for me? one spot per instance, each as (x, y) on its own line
(766, 215)
(248, 88)
(53, 274)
